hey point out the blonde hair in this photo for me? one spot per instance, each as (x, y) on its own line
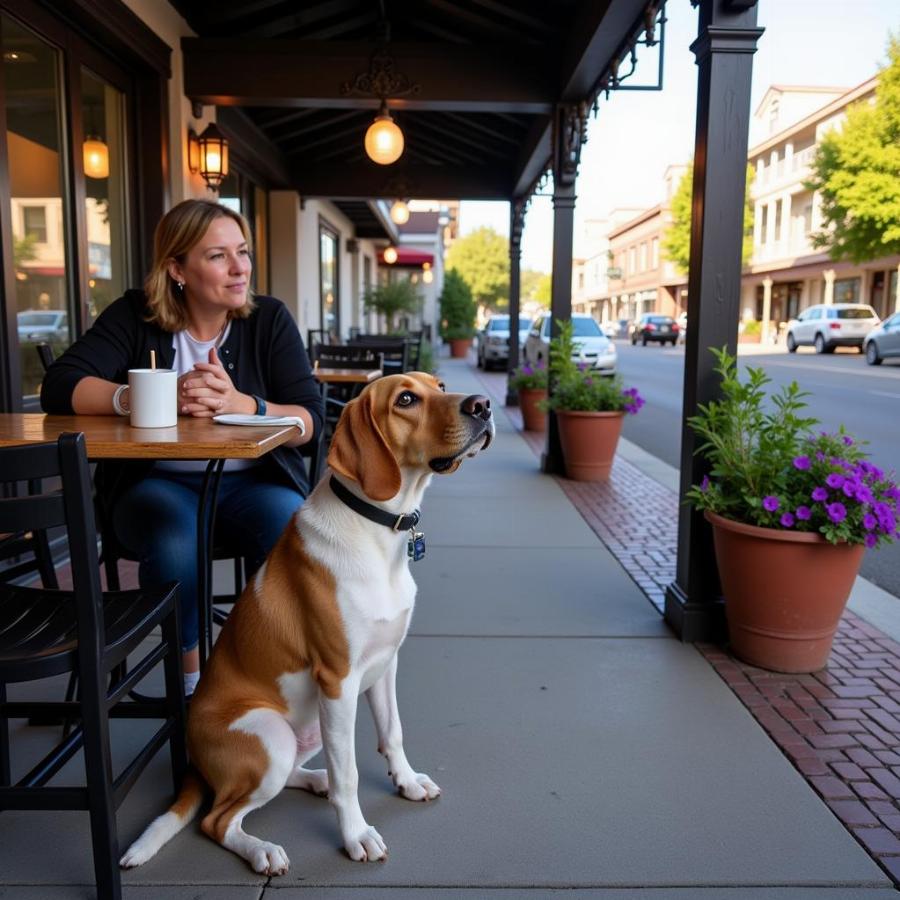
(178, 231)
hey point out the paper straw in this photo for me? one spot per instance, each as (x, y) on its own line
(152, 359)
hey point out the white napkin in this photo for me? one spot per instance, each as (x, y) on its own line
(260, 421)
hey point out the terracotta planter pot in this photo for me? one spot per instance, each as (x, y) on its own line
(784, 592)
(459, 347)
(533, 419)
(589, 441)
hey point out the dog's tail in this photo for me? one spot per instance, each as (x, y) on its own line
(163, 828)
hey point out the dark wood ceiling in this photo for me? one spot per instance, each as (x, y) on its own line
(489, 74)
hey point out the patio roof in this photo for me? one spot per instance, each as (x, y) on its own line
(479, 125)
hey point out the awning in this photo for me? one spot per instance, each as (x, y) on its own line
(408, 257)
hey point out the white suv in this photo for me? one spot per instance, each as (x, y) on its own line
(592, 346)
(827, 326)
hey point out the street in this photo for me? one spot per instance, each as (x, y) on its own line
(865, 399)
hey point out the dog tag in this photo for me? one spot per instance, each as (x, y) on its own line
(415, 548)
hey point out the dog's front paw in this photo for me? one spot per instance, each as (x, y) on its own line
(365, 846)
(269, 859)
(417, 786)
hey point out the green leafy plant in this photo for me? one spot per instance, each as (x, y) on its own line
(458, 309)
(392, 298)
(752, 328)
(529, 377)
(574, 388)
(768, 468)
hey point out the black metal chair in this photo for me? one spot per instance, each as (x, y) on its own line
(337, 396)
(394, 351)
(44, 633)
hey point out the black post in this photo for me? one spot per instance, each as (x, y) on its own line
(724, 48)
(516, 225)
(569, 134)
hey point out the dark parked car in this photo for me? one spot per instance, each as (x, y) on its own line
(654, 327)
(493, 341)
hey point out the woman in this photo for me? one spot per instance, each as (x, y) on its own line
(234, 354)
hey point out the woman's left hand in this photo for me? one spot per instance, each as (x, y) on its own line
(209, 391)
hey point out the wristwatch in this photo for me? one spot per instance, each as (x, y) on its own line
(260, 405)
(120, 400)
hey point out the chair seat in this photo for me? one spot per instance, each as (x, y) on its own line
(39, 634)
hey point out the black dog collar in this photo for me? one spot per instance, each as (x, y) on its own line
(373, 513)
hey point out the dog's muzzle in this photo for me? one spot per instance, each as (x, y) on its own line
(478, 408)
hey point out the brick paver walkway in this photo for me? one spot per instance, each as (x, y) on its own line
(839, 727)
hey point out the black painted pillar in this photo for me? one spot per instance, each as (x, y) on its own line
(724, 49)
(516, 226)
(569, 134)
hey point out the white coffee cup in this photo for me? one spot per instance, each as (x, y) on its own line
(153, 397)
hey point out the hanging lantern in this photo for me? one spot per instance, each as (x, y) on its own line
(390, 255)
(384, 140)
(427, 276)
(208, 155)
(399, 212)
(96, 158)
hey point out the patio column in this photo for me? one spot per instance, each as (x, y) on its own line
(516, 226)
(569, 134)
(724, 48)
(828, 297)
(766, 310)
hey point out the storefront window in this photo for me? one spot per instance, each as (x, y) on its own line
(846, 290)
(328, 279)
(37, 187)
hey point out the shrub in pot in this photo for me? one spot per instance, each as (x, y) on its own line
(458, 311)
(792, 510)
(589, 407)
(530, 381)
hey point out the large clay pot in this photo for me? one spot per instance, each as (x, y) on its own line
(459, 347)
(533, 418)
(784, 592)
(589, 441)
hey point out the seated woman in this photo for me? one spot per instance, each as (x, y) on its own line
(234, 353)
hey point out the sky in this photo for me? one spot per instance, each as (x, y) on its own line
(637, 134)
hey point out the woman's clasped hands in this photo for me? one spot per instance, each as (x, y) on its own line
(207, 390)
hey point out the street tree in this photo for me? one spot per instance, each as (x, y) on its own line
(856, 170)
(676, 243)
(542, 290)
(482, 259)
(458, 308)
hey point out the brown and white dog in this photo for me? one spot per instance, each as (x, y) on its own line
(319, 625)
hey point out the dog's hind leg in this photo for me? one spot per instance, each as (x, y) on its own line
(309, 743)
(250, 766)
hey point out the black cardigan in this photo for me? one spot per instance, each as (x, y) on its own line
(263, 355)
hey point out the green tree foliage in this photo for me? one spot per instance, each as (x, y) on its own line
(856, 171)
(676, 242)
(482, 259)
(528, 282)
(542, 290)
(458, 308)
(24, 249)
(395, 297)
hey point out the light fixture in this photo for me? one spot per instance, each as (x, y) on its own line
(208, 155)
(426, 266)
(390, 255)
(96, 158)
(427, 276)
(384, 140)
(414, 278)
(399, 212)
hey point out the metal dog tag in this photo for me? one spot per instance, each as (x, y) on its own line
(415, 547)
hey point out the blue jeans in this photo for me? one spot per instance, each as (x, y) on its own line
(156, 520)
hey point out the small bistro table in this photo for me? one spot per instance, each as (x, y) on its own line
(346, 376)
(112, 437)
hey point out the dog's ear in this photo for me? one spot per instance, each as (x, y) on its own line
(359, 450)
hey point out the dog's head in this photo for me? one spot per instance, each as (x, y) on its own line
(407, 421)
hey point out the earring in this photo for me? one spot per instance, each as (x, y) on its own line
(180, 285)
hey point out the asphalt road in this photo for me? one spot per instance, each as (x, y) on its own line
(865, 399)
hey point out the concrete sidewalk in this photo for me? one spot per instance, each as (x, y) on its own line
(580, 747)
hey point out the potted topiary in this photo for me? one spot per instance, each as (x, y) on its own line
(531, 383)
(393, 298)
(458, 311)
(589, 408)
(792, 511)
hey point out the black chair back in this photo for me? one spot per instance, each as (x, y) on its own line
(394, 350)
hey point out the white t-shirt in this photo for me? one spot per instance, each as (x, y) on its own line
(188, 352)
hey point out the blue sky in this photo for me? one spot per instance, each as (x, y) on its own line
(637, 134)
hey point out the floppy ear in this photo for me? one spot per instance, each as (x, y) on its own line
(359, 450)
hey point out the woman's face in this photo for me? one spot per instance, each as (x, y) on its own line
(216, 270)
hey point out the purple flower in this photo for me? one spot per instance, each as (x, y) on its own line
(771, 503)
(847, 440)
(787, 520)
(834, 480)
(837, 512)
(820, 455)
(704, 486)
(863, 494)
(870, 540)
(869, 521)
(819, 494)
(802, 463)
(804, 513)
(849, 488)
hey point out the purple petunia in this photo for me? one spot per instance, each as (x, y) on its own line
(834, 480)
(771, 503)
(819, 494)
(802, 463)
(804, 513)
(848, 441)
(787, 520)
(869, 521)
(863, 494)
(837, 512)
(849, 488)
(704, 485)
(870, 540)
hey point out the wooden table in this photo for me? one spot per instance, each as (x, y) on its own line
(346, 376)
(112, 437)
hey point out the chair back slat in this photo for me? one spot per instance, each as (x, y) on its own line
(394, 350)
(29, 462)
(347, 356)
(21, 514)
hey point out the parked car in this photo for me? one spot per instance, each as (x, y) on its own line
(593, 347)
(883, 341)
(654, 327)
(830, 325)
(610, 329)
(35, 325)
(493, 341)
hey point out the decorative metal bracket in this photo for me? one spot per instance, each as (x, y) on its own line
(518, 208)
(570, 135)
(381, 81)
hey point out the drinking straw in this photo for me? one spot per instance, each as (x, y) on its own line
(152, 359)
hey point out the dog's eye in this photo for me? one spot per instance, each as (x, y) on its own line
(442, 386)
(407, 398)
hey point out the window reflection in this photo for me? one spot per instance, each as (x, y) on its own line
(328, 275)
